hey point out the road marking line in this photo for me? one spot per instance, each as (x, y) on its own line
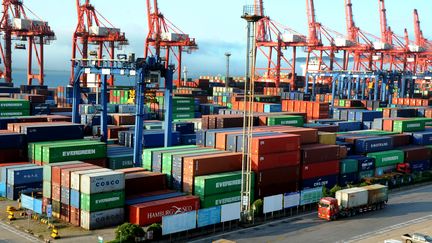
(19, 233)
(388, 228)
(253, 227)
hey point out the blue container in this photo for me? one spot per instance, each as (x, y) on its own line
(188, 139)
(12, 140)
(26, 175)
(422, 165)
(155, 138)
(74, 198)
(138, 200)
(4, 121)
(349, 126)
(422, 138)
(184, 127)
(54, 132)
(367, 125)
(13, 192)
(4, 170)
(366, 115)
(272, 108)
(373, 144)
(348, 179)
(327, 181)
(364, 163)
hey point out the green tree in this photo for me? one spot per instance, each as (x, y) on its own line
(334, 190)
(127, 232)
(257, 207)
(157, 230)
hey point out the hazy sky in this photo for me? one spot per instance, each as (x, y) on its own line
(215, 24)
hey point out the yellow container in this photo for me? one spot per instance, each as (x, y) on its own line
(327, 138)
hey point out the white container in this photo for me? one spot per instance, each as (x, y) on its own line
(341, 42)
(416, 48)
(26, 24)
(288, 37)
(76, 177)
(378, 45)
(169, 36)
(102, 219)
(102, 182)
(102, 31)
(352, 197)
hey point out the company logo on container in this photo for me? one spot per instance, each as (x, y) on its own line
(107, 183)
(11, 105)
(107, 218)
(289, 122)
(79, 152)
(414, 125)
(390, 158)
(228, 183)
(320, 183)
(107, 200)
(377, 145)
(173, 210)
(227, 200)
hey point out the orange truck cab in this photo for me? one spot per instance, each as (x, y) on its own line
(328, 208)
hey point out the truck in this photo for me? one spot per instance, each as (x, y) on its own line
(352, 201)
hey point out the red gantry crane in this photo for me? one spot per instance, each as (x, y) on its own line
(165, 39)
(16, 25)
(94, 30)
(423, 59)
(272, 40)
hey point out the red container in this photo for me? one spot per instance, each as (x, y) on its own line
(131, 170)
(152, 181)
(400, 140)
(15, 163)
(75, 216)
(277, 176)
(275, 144)
(307, 135)
(208, 164)
(66, 173)
(315, 153)
(45, 201)
(276, 160)
(152, 212)
(56, 171)
(98, 162)
(64, 213)
(416, 153)
(279, 188)
(55, 192)
(320, 169)
(12, 155)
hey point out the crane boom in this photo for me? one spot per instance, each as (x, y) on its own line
(313, 35)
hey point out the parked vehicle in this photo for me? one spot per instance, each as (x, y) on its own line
(417, 238)
(352, 201)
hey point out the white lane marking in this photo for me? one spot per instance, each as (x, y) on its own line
(250, 228)
(388, 229)
(19, 233)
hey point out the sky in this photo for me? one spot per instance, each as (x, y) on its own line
(216, 25)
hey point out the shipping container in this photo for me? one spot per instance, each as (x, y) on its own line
(219, 183)
(101, 219)
(152, 212)
(377, 193)
(416, 153)
(76, 177)
(327, 181)
(102, 182)
(214, 200)
(102, 201)
(320, 169)
(142, 182)
(411, 125)
(276, 160)
(25, 175)
(349, 166)
(352, 197)
(319, 153)
(275, 144)
(148, 155)
(387, 158)
(348, 179)
(373, 144)
(60, 153)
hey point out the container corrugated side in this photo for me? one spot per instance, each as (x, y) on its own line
(102, 201)
(76, 177)
(102, 182)
(101, 219)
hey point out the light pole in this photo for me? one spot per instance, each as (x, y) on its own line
(227, 54)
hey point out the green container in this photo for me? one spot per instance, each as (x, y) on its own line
(348, 166)
(177, 101)
(46, 189)
(92, 109)
(342, 103)
(374, 132)
(68, 152)
(387, 158)
(222, 198)
(102, 201)
(186, 115)
(14, 104)
(365, 174)
(147, 156)
(296, 121)
(219, 183)
(412, 125)
(35, 148)
(167, 160)
(122, 161)
(427, 121)
(13, 113)
(183, 108)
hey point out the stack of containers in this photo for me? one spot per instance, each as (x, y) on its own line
(4, 176)
(386, 161)
(14, 107)
(275, 161)
(24, 179)
(418, 157)
(102, 197)
(320, 165)
(296, 121)
(12, 147)
(119, 157)
(182, 107)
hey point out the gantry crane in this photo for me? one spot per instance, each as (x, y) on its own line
(423, 58)
(94, 30)
(15, 25)
(272, 39)
(165, 39)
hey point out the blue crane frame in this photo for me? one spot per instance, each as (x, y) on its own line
(143, 69)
